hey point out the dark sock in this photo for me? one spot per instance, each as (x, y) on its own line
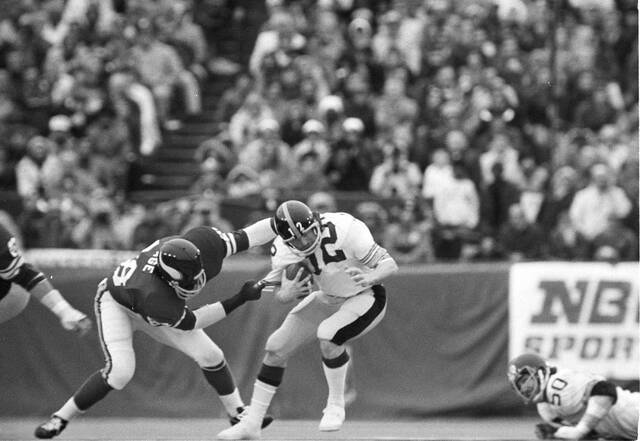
(334, 363)
(94, 389)
(220, 378)
(271, 375)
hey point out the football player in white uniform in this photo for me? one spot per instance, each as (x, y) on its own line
(574, 405)
(347, 267)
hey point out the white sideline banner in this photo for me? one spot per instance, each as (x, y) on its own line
(583, 316)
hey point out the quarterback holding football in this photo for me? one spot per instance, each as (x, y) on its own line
(574, 405)
(336, 253)
(148, 293)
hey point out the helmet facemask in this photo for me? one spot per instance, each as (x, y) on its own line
(528, 382)
(304, 241)
(185, 287)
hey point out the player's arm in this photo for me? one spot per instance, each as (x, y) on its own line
(37, 284)
(254, 235)
(370, 254)
(209, 314)
(602, 397)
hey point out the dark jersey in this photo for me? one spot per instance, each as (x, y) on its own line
(13, 268)
(135, 284)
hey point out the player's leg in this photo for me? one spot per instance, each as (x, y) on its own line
(356, 316)
(13, 303)
(298, 328)
(115, 332)
(198, 346)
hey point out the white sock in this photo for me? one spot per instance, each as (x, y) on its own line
(336, 378)
(69, 410)
(262, 395)
(231, 402)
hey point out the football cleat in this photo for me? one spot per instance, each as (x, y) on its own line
(332, 419)
(51, 428)
(241, 430)
(243, 411)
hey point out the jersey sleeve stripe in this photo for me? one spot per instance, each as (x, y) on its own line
(227, 242)
(13, 268)
(365, 260)
(232, 241)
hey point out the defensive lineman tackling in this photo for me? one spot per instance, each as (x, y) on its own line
(348, 267)
(574, 405)
(148, 293)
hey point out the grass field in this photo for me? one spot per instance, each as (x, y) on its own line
(131, 429)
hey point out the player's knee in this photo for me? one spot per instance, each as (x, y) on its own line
(326, 331)
(212, 356)
(330, 350)
(276, 352)
(119, 377)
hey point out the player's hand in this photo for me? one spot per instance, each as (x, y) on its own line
(545, 431)
(360, 277)
(569, 432)
(76, 321)
(297, 288)
(252, 290)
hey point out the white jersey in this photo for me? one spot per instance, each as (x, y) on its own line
(346, 242)
(567, 394)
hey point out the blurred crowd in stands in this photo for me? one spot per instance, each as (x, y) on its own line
(468, 132)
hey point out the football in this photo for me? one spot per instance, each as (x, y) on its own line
(291, 271)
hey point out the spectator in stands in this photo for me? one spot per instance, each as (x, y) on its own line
(375, 216)
(460, 152)
(308, 175)
(456, 209)
(124, 91)
(558, 197)
(160, 68)
(322, 202)
(521, 240)
(616, 242)
(351, 160)
(565, 243)
(233, 98)
(268, 155)
(501, 151)
(498, 196)
(206, 212)
(360, 104)
(593, 206)
(396, 176)
(187, 38)
(437, 174)
(37, 170)
(408, 238)
(313, 141)
(243, 127)
(243, 181)
(534, 180)
(396, 112)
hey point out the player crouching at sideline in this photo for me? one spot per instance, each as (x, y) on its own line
(348, 267)
(148, 293)
(14, 270)
(574, 405)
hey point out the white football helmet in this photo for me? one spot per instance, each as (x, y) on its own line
(528, 375)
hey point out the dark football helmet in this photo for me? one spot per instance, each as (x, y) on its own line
(298, 226)
(528, 375)
(180, 265)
